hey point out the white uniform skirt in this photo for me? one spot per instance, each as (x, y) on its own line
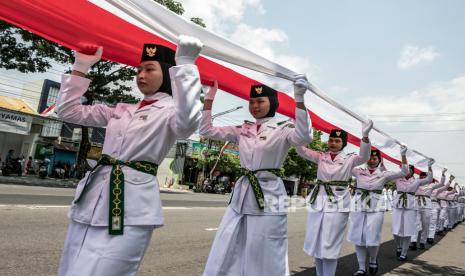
(365, 228)
(249, 245)
(325, 233)
(91, 251)
(404, 222)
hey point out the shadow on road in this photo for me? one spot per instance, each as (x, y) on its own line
(347, 265)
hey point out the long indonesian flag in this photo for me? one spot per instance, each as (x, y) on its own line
(123, 26)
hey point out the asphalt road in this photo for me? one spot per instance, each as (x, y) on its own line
(33, 225)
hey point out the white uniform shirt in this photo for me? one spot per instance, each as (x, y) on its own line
(427, 190)
(265, 149)
(435, 192)
(132, 134)
(409, 185)
(339, 169)
(374, 181)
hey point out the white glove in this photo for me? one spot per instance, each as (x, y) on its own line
(431, 162)
(444, 170)
(300, 87)
(366, 127)
(212, 91)
(188, 50)
(403, 150)
(82, 62)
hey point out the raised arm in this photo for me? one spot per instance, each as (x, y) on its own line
(429, 178)
(365, 146)
(441, 183)
(73, 87)
(404, 169)
(226, 133)
(443, 188)
(308, 154)
(186, 86)
(300, 135)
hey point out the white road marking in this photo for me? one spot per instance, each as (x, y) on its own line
(211, 229)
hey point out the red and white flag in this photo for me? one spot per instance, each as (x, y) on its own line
(123, 26)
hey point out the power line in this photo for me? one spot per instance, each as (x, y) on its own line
(418, 114)
(419, 121)
(19, 95)
(6, 84)
(428, 131)
(21, 80)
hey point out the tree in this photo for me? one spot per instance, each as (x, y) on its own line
(29, 53)
(228, 163)
(301, 167)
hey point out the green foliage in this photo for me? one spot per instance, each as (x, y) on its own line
(301, 167)
(29, 53)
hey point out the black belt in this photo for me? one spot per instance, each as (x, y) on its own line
(366, 193)
(422, 199)
(327, 186)
(257, 190)
(116, 198)
(403, 198)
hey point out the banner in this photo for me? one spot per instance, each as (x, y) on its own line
(123, 26)
(13, 122)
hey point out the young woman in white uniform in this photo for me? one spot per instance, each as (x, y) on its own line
(404, 213)
(252, 237)
(435, 209)
(423, 196)
(329, 201)
(117, 205)
(367, 209)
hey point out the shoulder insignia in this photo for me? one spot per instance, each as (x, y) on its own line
(281, 123)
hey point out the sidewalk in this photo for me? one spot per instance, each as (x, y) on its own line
(33, 180)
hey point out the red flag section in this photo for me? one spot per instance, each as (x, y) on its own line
(81, 25)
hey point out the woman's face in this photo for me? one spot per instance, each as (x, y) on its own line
(334, 144)
(373, 162)
(259, 107)
(149, 77)
(411, 173)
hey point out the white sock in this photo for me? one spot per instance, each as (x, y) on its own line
(405, 245)
(373, 253)
(361, 252)
(329, 267)
(319, 266)
(398, 241)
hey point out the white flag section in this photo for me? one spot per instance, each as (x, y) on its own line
(143, 13)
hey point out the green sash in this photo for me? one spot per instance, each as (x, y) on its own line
(116, 198)
(403, 197)
(327, 186)
(422, 199)
(366, 193)
(257, 190)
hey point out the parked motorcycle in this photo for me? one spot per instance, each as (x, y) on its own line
(43, 168)
(12, 167)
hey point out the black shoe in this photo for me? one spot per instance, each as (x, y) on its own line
(398, 251)
(413, 246)
(430, 241)
(360, 272)
(422, 246)
(373, 268)
(440, 233)
(402, 258)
